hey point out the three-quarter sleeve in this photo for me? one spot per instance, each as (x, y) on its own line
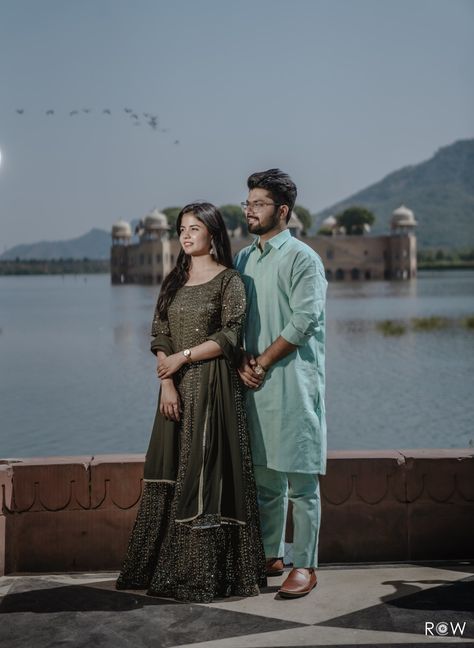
(306, 299)
(233, 307)
(161, 336)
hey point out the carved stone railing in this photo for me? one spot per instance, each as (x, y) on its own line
(76, 513)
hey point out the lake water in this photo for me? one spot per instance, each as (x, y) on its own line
(77, 377)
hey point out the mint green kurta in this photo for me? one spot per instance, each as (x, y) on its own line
(286, 292)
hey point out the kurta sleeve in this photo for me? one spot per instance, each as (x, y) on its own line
(161, 335)
(229, 337)
(307, 298)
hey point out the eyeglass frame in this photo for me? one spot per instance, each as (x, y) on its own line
(245, 205)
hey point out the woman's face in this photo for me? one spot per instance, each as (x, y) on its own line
(194, 236)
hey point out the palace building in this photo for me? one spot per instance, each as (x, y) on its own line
(146, 256)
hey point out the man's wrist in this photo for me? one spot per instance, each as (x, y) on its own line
(263, 363)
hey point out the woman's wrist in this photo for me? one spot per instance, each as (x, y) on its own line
(186, 356)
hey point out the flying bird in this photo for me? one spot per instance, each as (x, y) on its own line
(20, 111)
(106, 111)
(86, 110)
(128, 110)
(50, 112)
(73, 112)
(176, 142)
(134, 116)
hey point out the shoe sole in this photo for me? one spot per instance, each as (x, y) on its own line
(274, 573)
(285, 594)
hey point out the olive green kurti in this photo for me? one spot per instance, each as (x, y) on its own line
(197, 534)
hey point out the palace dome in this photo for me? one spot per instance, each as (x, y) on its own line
(121, 229)
(295, 221)
(403, 217)
(329, 222)
(155, 220)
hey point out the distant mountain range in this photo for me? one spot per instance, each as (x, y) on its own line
(440, 191)
(93, 245)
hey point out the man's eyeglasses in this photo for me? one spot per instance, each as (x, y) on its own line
(257, 205)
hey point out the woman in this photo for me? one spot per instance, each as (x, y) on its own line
(197, 534)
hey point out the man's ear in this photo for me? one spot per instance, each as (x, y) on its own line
(284, 210)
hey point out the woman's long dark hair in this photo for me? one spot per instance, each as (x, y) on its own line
(211, 217)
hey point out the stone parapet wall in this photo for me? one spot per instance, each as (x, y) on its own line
(76, 513)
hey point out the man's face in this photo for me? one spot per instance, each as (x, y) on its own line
(262, 213)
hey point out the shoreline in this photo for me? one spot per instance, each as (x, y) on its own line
(100, 266)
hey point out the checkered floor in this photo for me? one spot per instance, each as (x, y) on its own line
(372, 605)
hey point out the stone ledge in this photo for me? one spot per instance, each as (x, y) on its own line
(68, 513)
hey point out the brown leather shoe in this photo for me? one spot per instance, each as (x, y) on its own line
(274, 567)
(299, 582)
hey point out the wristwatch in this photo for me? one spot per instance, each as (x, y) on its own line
(187, 355)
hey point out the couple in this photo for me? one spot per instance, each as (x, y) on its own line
(234, 427)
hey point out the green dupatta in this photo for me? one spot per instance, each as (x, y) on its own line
(213, 487)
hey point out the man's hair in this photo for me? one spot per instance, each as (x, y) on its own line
(278, 184)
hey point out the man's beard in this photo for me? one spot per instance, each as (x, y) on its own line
(259, 229)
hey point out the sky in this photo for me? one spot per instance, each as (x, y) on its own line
(338, 93)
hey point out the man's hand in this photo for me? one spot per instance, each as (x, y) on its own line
(170, 403)
(247, 374)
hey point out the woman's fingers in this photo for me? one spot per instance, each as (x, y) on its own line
(171, 411)
(249, 379)
(176, 411)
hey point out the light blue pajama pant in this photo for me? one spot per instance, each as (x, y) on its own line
(274, 489)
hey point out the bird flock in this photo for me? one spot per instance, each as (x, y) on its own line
(137, 119)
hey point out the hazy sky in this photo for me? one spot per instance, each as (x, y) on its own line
(337, 92)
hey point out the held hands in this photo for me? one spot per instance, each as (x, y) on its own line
(170, 403)
(170, 365)
(251, 378)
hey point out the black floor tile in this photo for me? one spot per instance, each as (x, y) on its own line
(83, 616)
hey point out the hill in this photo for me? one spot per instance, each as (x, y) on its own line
(440, 191)
(93, 245)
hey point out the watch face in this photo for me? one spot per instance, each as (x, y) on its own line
(186, 353)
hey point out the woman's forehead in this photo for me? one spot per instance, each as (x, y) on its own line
(190, 219)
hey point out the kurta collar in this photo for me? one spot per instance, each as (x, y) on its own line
(276, 241)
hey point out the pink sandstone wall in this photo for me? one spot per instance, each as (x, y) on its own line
(75, 513)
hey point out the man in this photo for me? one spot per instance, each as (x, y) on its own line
(283, 367)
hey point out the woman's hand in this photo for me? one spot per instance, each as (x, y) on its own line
(247, 373)
(170, 402)
(170, 365)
